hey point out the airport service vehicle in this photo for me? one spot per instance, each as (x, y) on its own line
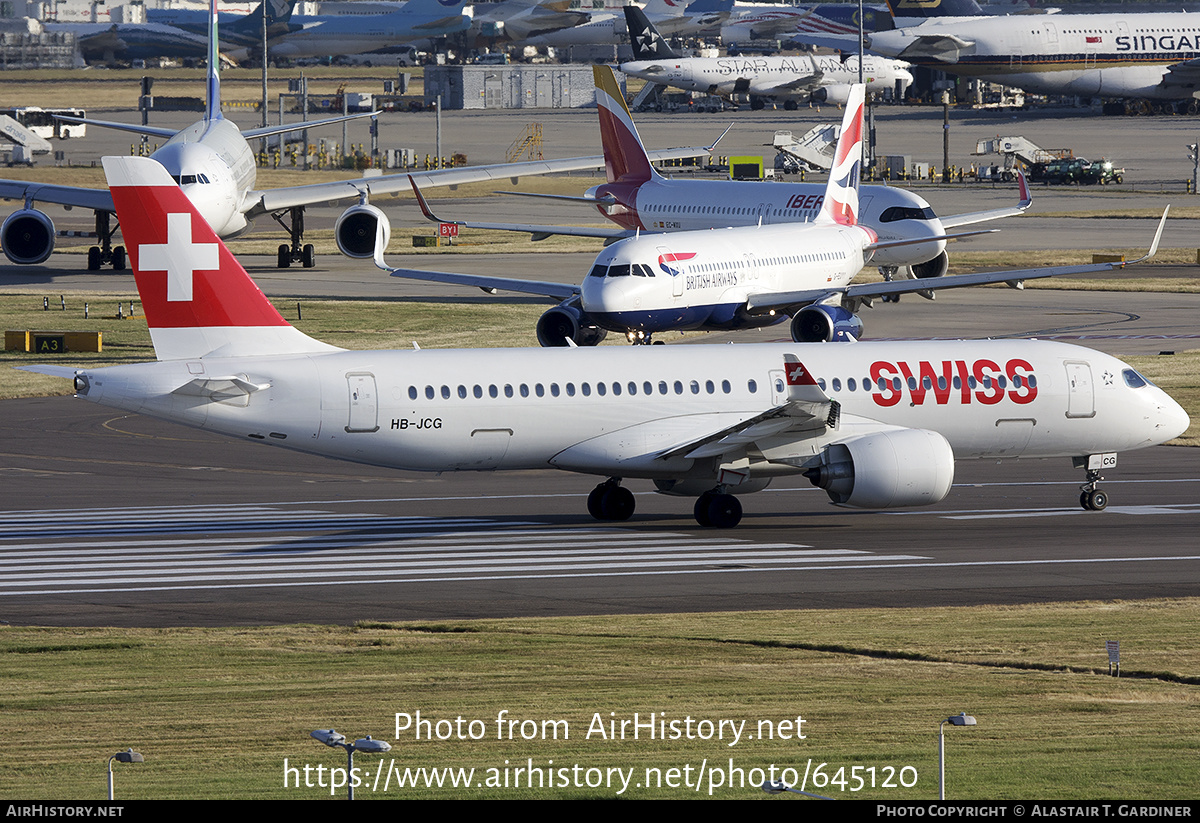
(875, 425)
(45, 123)
(791, 80)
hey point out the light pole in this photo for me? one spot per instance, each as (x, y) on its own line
(366, 744)
(129, 756)
(960, 719)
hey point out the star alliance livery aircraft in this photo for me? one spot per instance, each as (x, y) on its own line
(874, 425)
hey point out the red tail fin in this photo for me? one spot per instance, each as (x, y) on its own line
(197, 298)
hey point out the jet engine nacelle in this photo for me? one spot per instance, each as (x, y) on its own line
(27, 237)
(937, 267)
(825, 324)
(838, 94)
(356, 230)
(561, 323)
(695, 488)
(905, 467)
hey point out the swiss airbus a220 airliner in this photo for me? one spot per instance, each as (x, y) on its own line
(874, 425)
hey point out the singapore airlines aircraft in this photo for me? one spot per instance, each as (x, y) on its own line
(1131, 54)
(214, 164)
(790, 79)
(874, 425)
(743, 277)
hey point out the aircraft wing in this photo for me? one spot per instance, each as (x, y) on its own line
(1025, 201)
(790, 301)
(1183, 75)
(539, 232)
(97, 199)
(559, 291)
(945, 48)
(275, 199)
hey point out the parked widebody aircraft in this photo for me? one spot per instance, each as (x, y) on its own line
(911, 238)
(240, 37)
(326, 35)
(777, 22)
(673, 18)
(1146, 55)
(214, 164)
(874, 425)
(791, 80)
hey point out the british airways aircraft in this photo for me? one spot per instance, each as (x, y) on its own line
(912, 238)
(875, 425)
(741, 277)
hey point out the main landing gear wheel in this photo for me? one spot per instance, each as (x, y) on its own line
(611, 501)
(285, 257)
(118, 258)
(716, 510)
(1091, 498)
(308, 256)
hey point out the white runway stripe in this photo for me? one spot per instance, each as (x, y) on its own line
(189, 548)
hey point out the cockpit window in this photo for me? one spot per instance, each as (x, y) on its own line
(598, 271)
(185, 179)
(1134, 380)
(895, 213)
(616, 270)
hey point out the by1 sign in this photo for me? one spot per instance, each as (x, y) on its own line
(448, 230)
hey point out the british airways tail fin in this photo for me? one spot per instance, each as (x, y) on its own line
(198, 300)
(841, 193)
(625, 158)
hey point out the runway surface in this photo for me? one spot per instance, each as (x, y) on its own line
(122, 520)
(112, 519)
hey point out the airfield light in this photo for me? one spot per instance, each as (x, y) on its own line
(960, 719)
(128, 756)
(366, 745)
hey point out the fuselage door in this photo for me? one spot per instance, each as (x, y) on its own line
(1080, 394)
(364, 405)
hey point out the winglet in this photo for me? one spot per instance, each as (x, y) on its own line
(1025, 197)
(1162, 224)
(425, 210)
(713, 147)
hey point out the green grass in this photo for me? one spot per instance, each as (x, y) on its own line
(216, 712)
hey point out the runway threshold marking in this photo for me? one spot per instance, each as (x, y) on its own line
(56, 552)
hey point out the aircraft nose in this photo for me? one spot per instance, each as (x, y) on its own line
(1173, 420)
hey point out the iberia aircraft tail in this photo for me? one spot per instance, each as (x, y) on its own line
(841, 193)
(625, 157)
(197, 298)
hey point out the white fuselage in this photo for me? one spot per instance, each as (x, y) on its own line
(615, 411)
(776, 77)
(1099, 55)
(665, 205)
(213, 164)
(705, 279)
(362, 34)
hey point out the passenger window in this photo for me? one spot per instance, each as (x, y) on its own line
(752, 386)
(445, 392)
(478, 391)
(412, 392)
(429, 392)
